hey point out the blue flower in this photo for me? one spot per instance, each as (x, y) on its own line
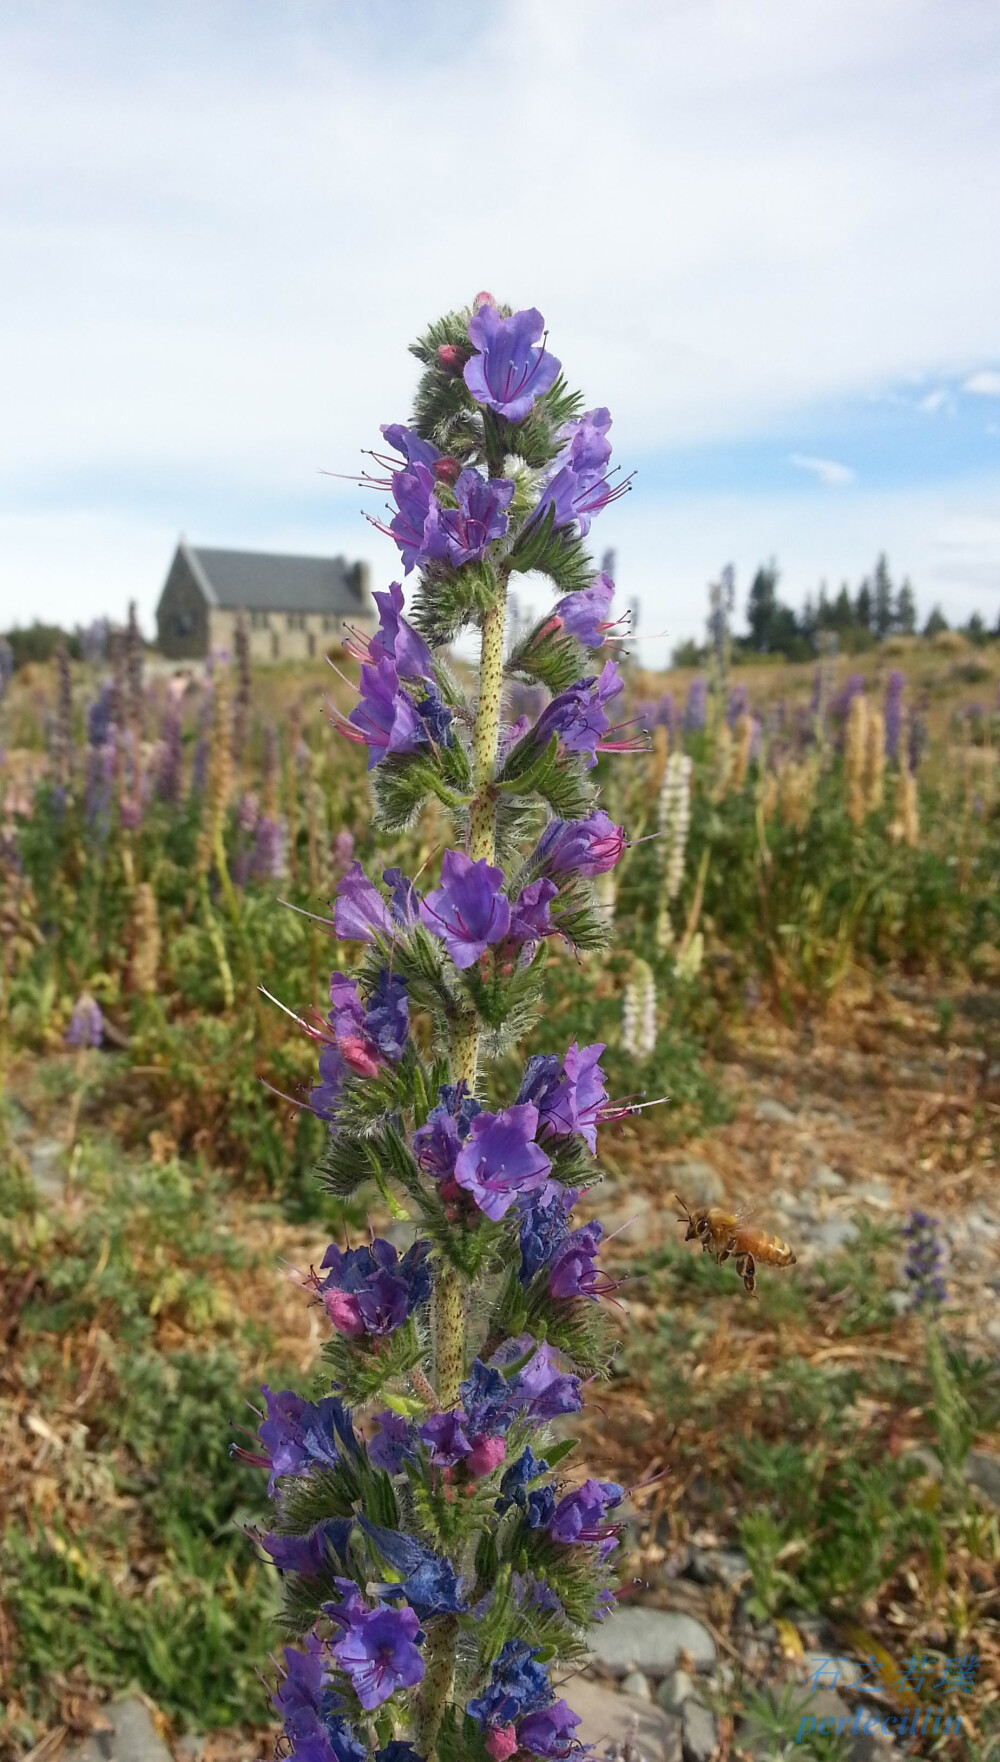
(430, 1583)
(517, 1686)
(508, 373)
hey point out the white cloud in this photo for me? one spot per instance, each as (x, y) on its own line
(827, 471)
(933, 402)
(223, 223)
(986, 383)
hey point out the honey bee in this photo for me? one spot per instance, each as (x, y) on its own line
(726, 1234)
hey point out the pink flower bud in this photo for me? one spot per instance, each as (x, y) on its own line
(451, 357)
(482, 299)
(357, 1053)
(502, 1742)
(344, 1313)
(486, 1455)
(446, 470)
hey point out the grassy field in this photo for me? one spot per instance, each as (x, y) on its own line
(806, 960)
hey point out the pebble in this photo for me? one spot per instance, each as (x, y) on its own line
(637, 1685)
(773, 1113)
(714, 1566)
(674, 1690)
(133, 1739)
(982, 1470)
(873, 1192)
(650, 1640)
(827, 1178)
(829, 1669)
(925, 1459)
(699, 1735)
(608, 1719)
(697, 1182)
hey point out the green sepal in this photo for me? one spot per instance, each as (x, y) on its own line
(361, 1368)
(532, 781)
(532, 542)
(555, 660)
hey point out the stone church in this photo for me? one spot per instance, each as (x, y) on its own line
(294, 608)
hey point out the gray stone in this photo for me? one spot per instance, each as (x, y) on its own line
(773, 1113)
(925, 1460)
(45, 1159)
(674, 1690)
(900, 1301)
(829, 1670)
(992, 1330)
(718, 1566)
(628, 1219)
(983, 1472)
(607, 1720)
(827, 1178)
(834, 1233)
(699, 1734)
(697, 1182)
(877, 1193)
(637, 1685)
(650, 1640)
(133, 1737)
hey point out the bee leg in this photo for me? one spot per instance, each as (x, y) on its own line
(747, 1270)
(724, 1254)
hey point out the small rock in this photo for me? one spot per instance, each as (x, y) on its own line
(718, 1566)
(698, 1732)
(650, 1640)
(627, 1219)
(827, 1178)
(44, 1158)
(607, 1719)
(674, 1690)
(637, 1685)
(983, 1472)
(829, 1670)
(773, 1113)
(697, 1182)
(877, 1193)
(900, 1301)
(133, 1739)
(834, 1233)
(925, 1459)
(992, 1330)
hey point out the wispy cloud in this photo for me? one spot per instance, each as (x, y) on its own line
(985, 383)
(933, 402)
(828, 471)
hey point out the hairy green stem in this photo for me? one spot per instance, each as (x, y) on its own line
(450, 1294)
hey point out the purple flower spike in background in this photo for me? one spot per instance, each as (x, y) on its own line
(86, 1026)
(509, 372)
(696, 708)
(924, 1262)
(895, 687)
(500, 1159)
(468, 911)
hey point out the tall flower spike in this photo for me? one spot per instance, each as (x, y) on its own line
(430, 1453)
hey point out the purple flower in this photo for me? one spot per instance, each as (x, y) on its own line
(446, 1438)
(360, 913)
(404, 900)
(894, 690)
(518, 1685)
(569, 1097)
(437, 1142)
(377, 1650)
(358, 1036)
(529, 912)
(542, 1391)
(696, 708)
(666, 713)
(385, 718)
(86, 1027)
(738, 705)
(500, 1159)
(398, 1750)
(332, 1741)
(579, 847)
(579, 486)
(479, 517)
(924, 1260)
(387, 1017)
(853, 686)
(430, 1583)
(517, 1478)
(267, 861)
(298, 1434)
(395, 640)
(415, 450)
(416, 527)
(370, 1290)
(549, 1731)
(168, 774)
(392, 1443)
(573, 1267)
(299, 1695)
(308, 1555)
(544, 1227)
(585, 614)
(468, 910)
(577, 715)
(508, 373)
(580, 1516)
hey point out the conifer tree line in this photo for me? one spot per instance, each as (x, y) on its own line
(858, 619)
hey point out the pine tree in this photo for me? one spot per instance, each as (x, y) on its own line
(437, 1567)
(936, 621)
(761, 606)
(882, 599)
(906, 609)
(863, 606)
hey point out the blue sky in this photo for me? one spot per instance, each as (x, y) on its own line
(764, 234)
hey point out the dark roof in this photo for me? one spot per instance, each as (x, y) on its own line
(255, 581)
